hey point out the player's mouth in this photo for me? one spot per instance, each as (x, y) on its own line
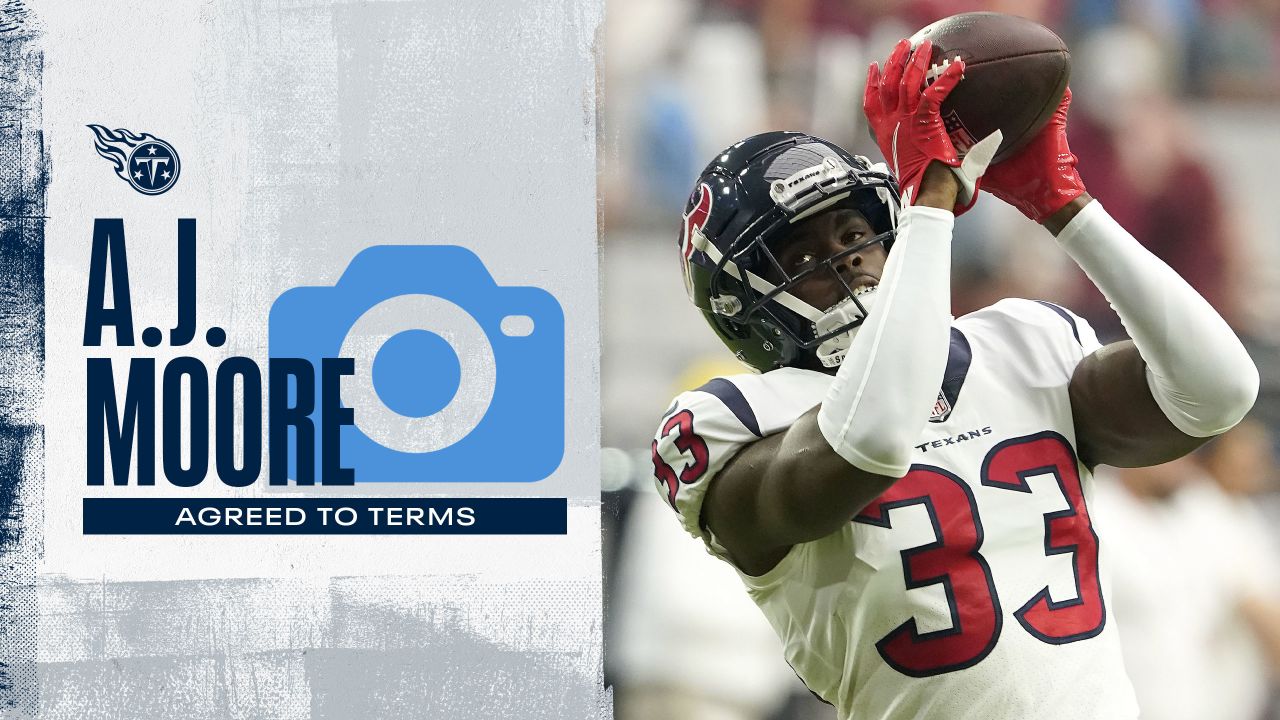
(853, 309)
(863, 286)
(862, 282)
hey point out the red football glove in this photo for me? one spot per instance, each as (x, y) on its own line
(904, 117)
(1041, 178)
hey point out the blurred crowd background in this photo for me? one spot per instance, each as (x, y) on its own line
(1176, 121)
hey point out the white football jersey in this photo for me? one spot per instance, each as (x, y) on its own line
(973, 587)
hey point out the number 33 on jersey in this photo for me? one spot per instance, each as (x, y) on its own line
(981, 565)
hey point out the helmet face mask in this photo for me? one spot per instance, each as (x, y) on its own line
(835, 320)
(744, 210)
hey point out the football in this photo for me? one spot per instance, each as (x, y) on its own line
(1015, 74)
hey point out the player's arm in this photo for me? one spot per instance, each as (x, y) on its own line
(1263, 617)
(1185, 377)
(807, 482)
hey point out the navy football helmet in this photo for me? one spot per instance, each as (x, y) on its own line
(742, 210)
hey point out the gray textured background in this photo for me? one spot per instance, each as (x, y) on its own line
(307, 131)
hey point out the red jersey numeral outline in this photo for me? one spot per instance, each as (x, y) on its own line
(687, 441)
(1008, 465)
(955, 560)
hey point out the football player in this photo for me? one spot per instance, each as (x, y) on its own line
(904, 494)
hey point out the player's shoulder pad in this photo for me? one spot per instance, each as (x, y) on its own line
(1041, 332)
(1039, 316)
(704, 428)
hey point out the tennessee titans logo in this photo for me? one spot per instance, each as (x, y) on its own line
(148, 163)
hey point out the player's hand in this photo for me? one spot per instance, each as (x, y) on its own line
(1041, 178)
(904, 116)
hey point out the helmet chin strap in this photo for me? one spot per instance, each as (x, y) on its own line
(832, 351)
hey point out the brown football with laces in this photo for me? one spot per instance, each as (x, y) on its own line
(1016, 72)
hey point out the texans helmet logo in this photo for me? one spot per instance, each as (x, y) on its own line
(696, 219)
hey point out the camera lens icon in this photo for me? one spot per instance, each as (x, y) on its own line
(395, 367)
(456, 379)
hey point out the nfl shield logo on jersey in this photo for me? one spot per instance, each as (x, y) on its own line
(941, 409)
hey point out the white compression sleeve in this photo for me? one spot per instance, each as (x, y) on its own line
(879, 402)
(1198, 372)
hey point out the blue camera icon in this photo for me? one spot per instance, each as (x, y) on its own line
(457, 379)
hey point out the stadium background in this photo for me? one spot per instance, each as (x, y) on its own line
(1175, 122)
